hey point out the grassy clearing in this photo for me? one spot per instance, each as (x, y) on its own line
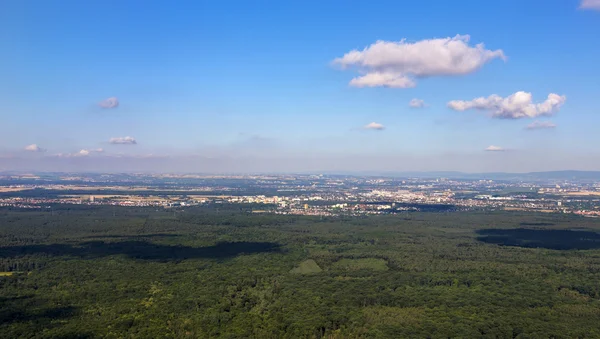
(361, 264)
(6, 274)
(307, 267)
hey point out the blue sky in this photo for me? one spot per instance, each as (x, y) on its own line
(236, 86)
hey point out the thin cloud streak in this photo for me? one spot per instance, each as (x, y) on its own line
(516, 106)
(82, 153)
(374, 126)
(540, 125)
(123, 141)
(493, 148)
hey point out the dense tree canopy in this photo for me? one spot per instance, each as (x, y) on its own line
(202, 272)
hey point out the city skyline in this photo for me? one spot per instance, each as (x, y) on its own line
(212, 87)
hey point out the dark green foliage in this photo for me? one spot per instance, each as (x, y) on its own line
(202, 272)
(553, 239)
(140, 250)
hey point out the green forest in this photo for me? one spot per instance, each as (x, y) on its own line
(205, 272)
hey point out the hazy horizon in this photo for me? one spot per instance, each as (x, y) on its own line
(233, 166)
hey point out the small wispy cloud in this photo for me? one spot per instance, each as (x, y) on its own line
(540, 125)
(34, 148)
(590, 4)
(374, 126)
(493, 148)
(109, 103)
(86, 152)
(82, 153)
(417, 103)
(123, 141)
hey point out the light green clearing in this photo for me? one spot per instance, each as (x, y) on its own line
(6, 274)
(307, 267)
(361, 264)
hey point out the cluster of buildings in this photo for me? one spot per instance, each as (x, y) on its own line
(308, 194)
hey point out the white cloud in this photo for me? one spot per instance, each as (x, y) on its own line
(397, 63)
(123, 141)
(376, 79)
(374, 126)
(111, 102)
(590, 4)
(516, 106)
(540, 125)
(417, 103)
(82, 153)
(493, 148)
(34, 148)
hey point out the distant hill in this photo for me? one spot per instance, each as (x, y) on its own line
(550, 175)
(581, 175)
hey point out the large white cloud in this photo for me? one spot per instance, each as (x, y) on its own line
(398, 63)
(417, 103)
(540, 125)
(516, 106)
(34, 148)
(590, 4)
(123, 141)
(108, 103)
(374, 126)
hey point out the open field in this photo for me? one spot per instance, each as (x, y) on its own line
(307, 267)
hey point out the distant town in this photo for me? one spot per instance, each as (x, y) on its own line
(324, 195)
